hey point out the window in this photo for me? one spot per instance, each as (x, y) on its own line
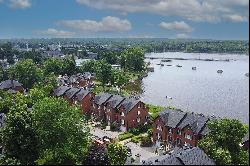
(159, 127)
(76, 102)
(169, 139)
(139, 105)
(122, 113)
(99, 107)
(139, 112)
(93, 105)
(170, 130)
(138, 120)
(122, 122)
(104, 108)
(108, 110)
(158, 136)
(179, 132)
(188, 136)
(178, 141)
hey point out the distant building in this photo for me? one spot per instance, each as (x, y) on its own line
(53, 54)
(116, 67)
(92, 55)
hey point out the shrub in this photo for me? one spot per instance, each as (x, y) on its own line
(146, 141)
(124, 136)
(136, 139)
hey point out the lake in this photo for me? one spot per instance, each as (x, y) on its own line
(202, 90)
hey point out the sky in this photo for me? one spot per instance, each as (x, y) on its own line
(198, 19)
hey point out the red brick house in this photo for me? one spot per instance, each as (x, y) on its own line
(12, 86)
(85, 98)
(127, 113)
(69, 95)
(132, 113)
(175, 128)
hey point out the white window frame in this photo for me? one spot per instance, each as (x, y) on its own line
(138, 112)
(138, 120)
(99, 107)
(170, 130)
(139, 105)
(188, 136)
(122, 121)
(122, 114)
(179, 132)
(159, 127)
(158, 136)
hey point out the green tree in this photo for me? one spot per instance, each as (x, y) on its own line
(6, 101)
(35, 56)
(18, 136)
(88, 66)
(26, 72)
(104, 72)
(223, 142)
(117, 154)
(119, 78)
(62, 131)
(68, 66)
(52, 65)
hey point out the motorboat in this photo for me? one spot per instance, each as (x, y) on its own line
(178, 66)
(220, 71)
(193, 68)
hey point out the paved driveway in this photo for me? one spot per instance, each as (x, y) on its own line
(144, 152)
(101, 133)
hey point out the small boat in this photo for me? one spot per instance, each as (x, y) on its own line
(162, 64)
(166, 60)
(168, 97)
(220, 71)
(193, 68)
(247, 74)
(178, 66)
(158, 64)
(169, 65)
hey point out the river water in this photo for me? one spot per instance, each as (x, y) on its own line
(202, 90)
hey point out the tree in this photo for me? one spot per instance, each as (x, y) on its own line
(117, 154)
(132, 59)
(18, 136)
(52, 65)
(89, 66)
(223, 141)
(104, 72)
(6, 101)
(6, 52)
(68, 66)
(119, 78)
(26, 72)
(62, 132)
(35, 56)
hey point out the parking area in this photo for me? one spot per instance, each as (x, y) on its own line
(101, 133)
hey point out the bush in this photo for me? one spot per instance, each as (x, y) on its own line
(136, 139)
(124, 136)
(146, 141)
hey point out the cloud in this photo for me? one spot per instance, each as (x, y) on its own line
(177, 26)
(182, 36)
(20, 4)
(55, 33)
(107, 24)
(195, 10)
(236, 18)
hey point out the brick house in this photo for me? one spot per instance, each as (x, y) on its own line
(132, 113)
(12, 86)
(98, 106)
(175, 128)
(85, 98)
(70, 94)
(60, 91)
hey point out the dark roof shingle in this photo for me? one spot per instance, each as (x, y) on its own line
(171, 118)
(9, 84)
(60, 91)
(102, 98)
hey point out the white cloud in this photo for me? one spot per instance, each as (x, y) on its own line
(236, 18)
(55, 33)
(107, 24)
(177, 26)
(196, 10)
(20, 4)
(182, 36)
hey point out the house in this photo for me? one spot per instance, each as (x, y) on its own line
(181, 156)
(53, 54)
(98, 106)
(60, 91)
(245, 142)
(132, 114)
(69, 94)
(12, 86)
(175, 128)
(92, 55)
(128, 113)
(85, 98)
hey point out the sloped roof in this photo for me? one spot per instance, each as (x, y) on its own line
(71, 92)
(171, 118)
(182, 156)
(129, 103)
(81, 94)
(196, 122)
(60, 91)
(9, 84)
(102, 98)
(115, 100)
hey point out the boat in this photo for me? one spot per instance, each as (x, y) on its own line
(166, 60)
(247, 74)
(169, 65)
(178, 66)
(162, 64)
(220, 71)
(193, 68)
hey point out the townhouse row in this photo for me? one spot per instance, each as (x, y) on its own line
(173, 128)
(124, 112)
